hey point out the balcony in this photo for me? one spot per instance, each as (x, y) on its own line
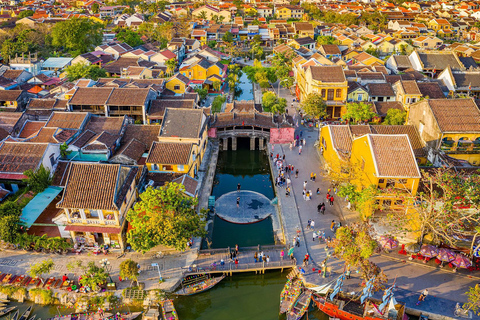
(463, 146)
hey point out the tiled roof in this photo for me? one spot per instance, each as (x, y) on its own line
(410, 87)
(10, 95)
(393, 156)
(341, 139)
(383, 106)
(9, 119)
(183, 123)
(431, 89)
(409, 130)
(128, 97)
(170, 153)
(95, 186)
(158, 107)
(112, 125)
(66, 120)
(456, 115)
(327, 73)
(17, 157)
(31, 128)
(440, 60)
(133, 149)
(144, 133)
(91, 96)
(380, 90)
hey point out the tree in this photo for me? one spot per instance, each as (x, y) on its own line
(164, 216)
(359, 112)
(218, 103)
(372, 51)
(271, 103)
(41, 268)
(202, 15)
(10, 228)
(81, 70)
(25, 13)
(217, 85)
(327, 40)
(228, 37)
(395, 117)
(64, 152)
(473, 303)
(445, 207)
(94, 276)
(314, 105)
(171, 65)
(77, 35)
(38, 180)
(202, 93)
(129, 269)
(130, 37)
(212, 44)
(10, 208)
(354, 245)
(95, 7)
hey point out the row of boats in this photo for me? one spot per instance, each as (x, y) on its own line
(295, 300)
(4, 310)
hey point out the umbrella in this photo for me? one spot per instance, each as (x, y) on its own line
(445, 255)
(389, 243)
(290, 251)
(461, 261)
(413, 247)
(429, 251)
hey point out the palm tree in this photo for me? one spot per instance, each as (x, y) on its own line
(217, 85)
(171, 65)
(203, 15)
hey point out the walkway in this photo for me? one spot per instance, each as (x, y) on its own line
(252, 207)
(411, 278)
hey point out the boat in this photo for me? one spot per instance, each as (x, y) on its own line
(4, 300)
(168, 310)
(33, 317)
(82, 316)
(291, 291)
(26, 314)
(7, 310)
(301, 306)
(197, 283)
(124, 316)
(15, 315)
(152, 314)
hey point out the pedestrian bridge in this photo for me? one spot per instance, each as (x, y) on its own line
(252, 207)
(208, 261)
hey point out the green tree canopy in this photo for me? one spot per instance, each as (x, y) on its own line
(25, 13)
(41, 268)
(10, 208)
(95, 7)
(228, 37)
(129, 269)
(10, 228)
(130, 37)
(81, 70)
(94, 276)
(395, 117)
(314, 105)
(359, 112)
(164, 216)
(327, 40)
(271, 103)
(171, 64)
(202, 92)
(473, 296)
(38, 180)
(77, 35)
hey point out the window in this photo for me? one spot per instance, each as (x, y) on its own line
(94, 213)
(180, 168)
(52, 159)
(323, 93)
(154, 166)
(413, 100)
(390, 183)
(381, 181)
(398, 202)
(167, 168)
(338, 93)
(402, 181)
(330, 94)
(359, 97)
(177, 87)
(324, 143)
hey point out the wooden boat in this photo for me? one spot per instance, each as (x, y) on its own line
(346, 307)
(168, 310)
(124, 316)
(33, 317)
(4, 300)
(151, 314)
(7, 310)
(291, 291)
(197, 284)
(26, 314)
(82, 316)
(15, 315)
(301, 306)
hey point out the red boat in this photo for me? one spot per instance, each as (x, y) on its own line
(345, 307)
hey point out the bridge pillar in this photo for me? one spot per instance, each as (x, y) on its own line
(260, 144)
(225, 144)
(252, 143)
(234, 143)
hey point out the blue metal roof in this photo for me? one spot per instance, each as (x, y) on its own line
(40, 202)
(56, 62)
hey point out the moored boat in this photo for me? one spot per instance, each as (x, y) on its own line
(26, 314)
(168, 310)
(15, 315)
(7, 310)
(291, 291)
(33, 317)
(82, 316)
(197, 284)
(301, 306)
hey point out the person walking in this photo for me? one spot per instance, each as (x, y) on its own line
(255, 256)
(307, 256)
(268, 259)
(314, 177)
(318, 191)
(314, 236)
(238, 202)
(331, 200)
(423, 296)
(311, 176)
(289, 182)
(308, 223)
(322, 210)
(319, 207)
(300, 150)
(239, 187)
(305, 185)
(236, 249)
(332, 225)
(296, 173)
(304, 141)
(282, 254)
(298, 241)
(312, 225)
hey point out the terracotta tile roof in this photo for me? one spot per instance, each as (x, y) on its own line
(183, 123)
(128, 97)
(341, 139)
(158, 107)
(83, 138)
(113, 125)
(380, 90)
(189, 183)
(431, 89)
(66, 120)
(17, 157)
(9, 119)
(360, 130)
(144, 133)
(170, 153)
(393, 156)
(410, 87)
(31, 128)
(382, 107)
(439, 60)
(96, 186)
(133, 149)
(262, 120)
(45, 135)
(10, 95)
(455, 115)
(327, 73)
(91, 96)
(409, 130)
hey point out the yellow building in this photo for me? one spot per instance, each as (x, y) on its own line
(451, 126)
(202, 69)
(178, 83)
(96, 200)
(171, 157)
(329, 81)
(407, 92)
(289, 12)
(439, 24)
(367, 59)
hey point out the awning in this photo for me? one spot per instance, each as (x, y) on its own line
(93, 229)
(38, 204)
(12, 176)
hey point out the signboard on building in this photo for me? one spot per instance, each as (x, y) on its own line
(282, 135)
(212, 132)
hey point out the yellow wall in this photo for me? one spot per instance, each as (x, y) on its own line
(197, 72)
(473, 155)
(283, 13)
(173, 82)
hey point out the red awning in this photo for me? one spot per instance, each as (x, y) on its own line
(93, 229)
(12, 176)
